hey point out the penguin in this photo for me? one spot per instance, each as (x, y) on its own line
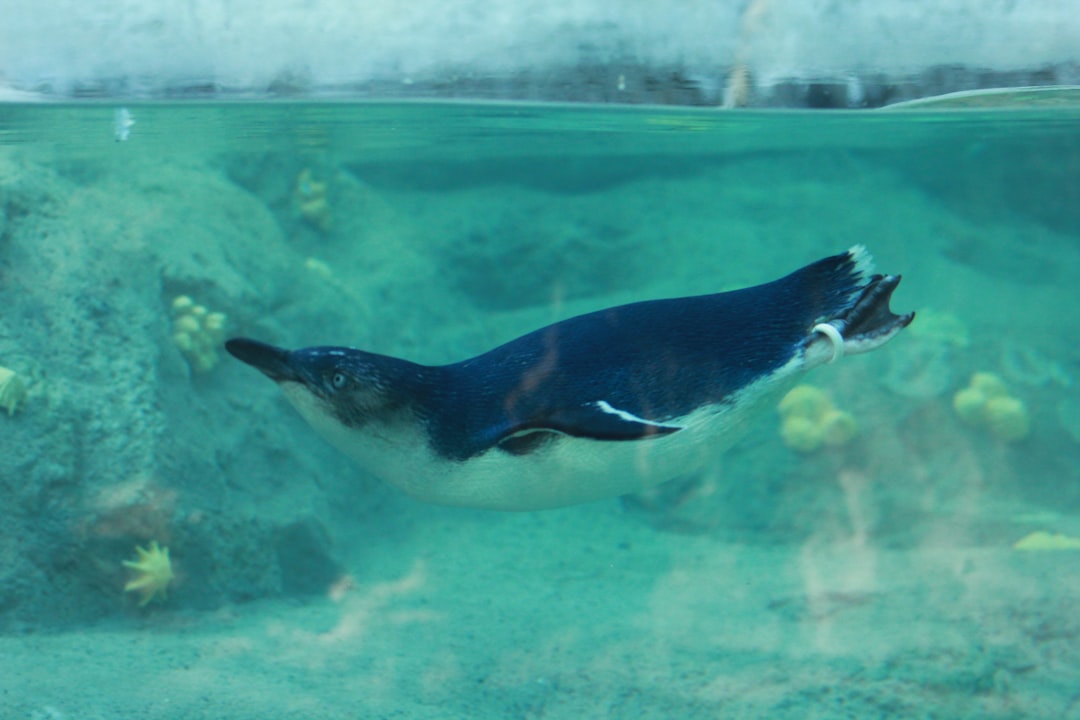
(599, 405)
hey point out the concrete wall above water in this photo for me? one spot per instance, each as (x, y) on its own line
(763, 52)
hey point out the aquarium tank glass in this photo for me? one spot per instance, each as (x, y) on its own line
(509, 359)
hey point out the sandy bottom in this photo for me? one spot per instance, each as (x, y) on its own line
(587, 613)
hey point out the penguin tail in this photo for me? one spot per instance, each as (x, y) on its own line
(855, 316)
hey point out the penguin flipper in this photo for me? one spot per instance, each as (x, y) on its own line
(596, 421)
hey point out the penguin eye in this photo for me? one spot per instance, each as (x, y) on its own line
(339, 380)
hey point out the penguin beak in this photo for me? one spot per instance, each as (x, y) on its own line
(274, 362)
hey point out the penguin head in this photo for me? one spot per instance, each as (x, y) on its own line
(351, 386)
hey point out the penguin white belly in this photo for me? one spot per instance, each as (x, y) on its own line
(566, 471)
(571, 470)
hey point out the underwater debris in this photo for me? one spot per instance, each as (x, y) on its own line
(122, 122)
(12, 391)
(985, 403)
(311, 200)
(809, 420)
(319, 267)
(197, 333)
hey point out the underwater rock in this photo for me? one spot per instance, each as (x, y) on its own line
(941, 327)
(1021, 363)
(920, 368)
(304, 555)
(1034, 262)
(111, 448)
(1068, 412)
(521, 254)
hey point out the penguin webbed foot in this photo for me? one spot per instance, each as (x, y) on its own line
(867, 325)
(871, 319)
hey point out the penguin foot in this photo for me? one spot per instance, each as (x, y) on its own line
(868, 324)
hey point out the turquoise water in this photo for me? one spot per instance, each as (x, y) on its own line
(923, 568)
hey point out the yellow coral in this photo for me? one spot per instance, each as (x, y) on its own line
(12, 391)
(970, 405)
(1007, 417)
(809, 420)
(1045, 541)
(802, 434)
(197, 333)
(838, 427)
(153, 573)
(804, 400)
(985, 403)
(989, 384)
(311, 200)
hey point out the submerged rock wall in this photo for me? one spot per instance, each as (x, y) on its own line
(120, 441)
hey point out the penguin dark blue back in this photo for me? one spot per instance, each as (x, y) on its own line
(657, 361)
(655, 378)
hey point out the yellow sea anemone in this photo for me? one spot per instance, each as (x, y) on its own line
(153, 573)
(985, 403)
